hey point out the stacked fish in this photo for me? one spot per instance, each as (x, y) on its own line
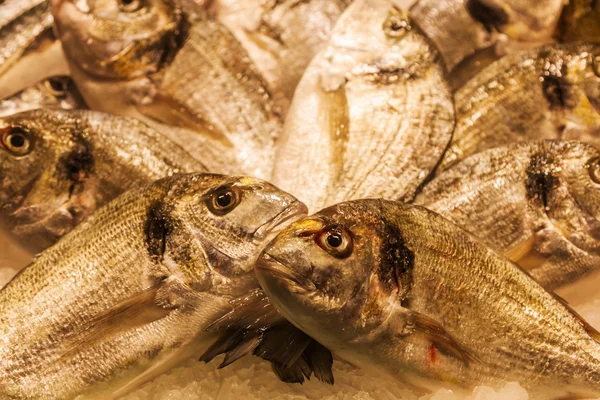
(446, 150)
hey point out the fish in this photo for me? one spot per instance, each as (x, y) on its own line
(281, 37)
(58, 167)
(472, 33)
(29, 52)
(58, 92)
(579, 22)
(536, 202)
(400, 290)
(154, 61)
(134, 285)
(552, 92)
(372, 114)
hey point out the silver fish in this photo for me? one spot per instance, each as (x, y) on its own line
(472, 33)
(552, 92)
(401, 290)
(58, 167)
(58, 92)
(153, 61)
(134, 286)
(374, 107)
(281, 37)
(536, 202)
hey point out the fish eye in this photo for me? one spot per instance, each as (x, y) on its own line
(130, 5)
(58, 87)
(594, 169)
(336, 241)
(223, 200)
(16, 140)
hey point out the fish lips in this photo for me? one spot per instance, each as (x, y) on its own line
(294, 212)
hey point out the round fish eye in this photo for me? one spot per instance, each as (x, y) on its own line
(130, 5)
(16, 140)
(594, 169)
(336, 241)
(58, 87)
(223, 200)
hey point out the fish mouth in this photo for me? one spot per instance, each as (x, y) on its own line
(272, 267)
(292, 213)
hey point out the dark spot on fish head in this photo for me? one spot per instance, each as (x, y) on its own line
(395, 269)
(78, 164)
(156, 229)
(540, 179)
(491, 16)
(558, 92)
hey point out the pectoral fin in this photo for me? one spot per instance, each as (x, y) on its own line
(139, 310)
(167, 110)
(406, 323)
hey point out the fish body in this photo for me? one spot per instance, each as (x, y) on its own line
(58, 92)
(58, 167)
(21, 30)
(281, 37)
(466, 30)
(155, 62)
(547, 93)
(538, 201)
(371, 115)
(399, 289)
(134, 283)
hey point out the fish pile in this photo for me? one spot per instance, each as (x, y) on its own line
(399, 187)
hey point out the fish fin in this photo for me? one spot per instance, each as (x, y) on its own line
(294, 374)
(251, 312)
(282, 345)
(246, 346)
(223, 344)
(590, 330)
(440, 338)
(136, 311)
(163, 108)
(320, 360)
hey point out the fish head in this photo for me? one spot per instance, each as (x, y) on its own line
(45, 163)
(566, 183)
(331, 270)
(232, 218)
(116, 39)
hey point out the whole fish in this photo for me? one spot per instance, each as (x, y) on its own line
(154, 61)
(399, 289)
(281, 37)
(536, 202)
(472, 33)
(58, 167)
(580, 20)
(58, 92)
(552, 92)
(371, 116)
(133, 286)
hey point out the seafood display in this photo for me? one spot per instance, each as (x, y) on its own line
(371, 198)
